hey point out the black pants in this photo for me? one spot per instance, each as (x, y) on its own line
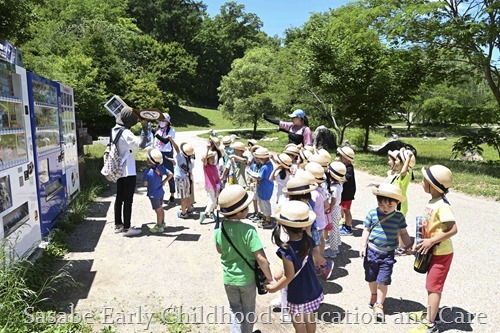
(125, 188)
(170, 166)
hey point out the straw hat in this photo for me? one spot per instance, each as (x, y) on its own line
(347, 152)
(292, 149)
(261, 153)
(211, 153)
(215, 140)
(317, 171)
(238, 146)
(337, 170)
(389, 191)
(325, 154)
(253, 142)
(439, 177)
(323, 161)
(300, 184)
(305, 155)
(310, 149)
(394, 154)
(227, 140)
(295, 214)
(254, 148)
(155, 156)
(284, 160)
(233, 199)
(187, 148)
(404, 153)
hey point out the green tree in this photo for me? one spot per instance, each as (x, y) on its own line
(469, 27)
(15, 18)
(244, 92)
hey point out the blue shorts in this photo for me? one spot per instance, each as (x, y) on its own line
(156, 203)
(378, 266)
(316, 236)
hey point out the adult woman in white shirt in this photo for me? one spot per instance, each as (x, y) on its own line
(161, 143)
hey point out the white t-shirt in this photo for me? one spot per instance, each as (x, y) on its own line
(164, 147)
(127, 144)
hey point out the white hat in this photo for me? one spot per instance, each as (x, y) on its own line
(155, 156)
(389, 191)
(261, 153)
(167, 117)
(347, 152)
(337, 170)
(238, 146)
(317, 171)
(439, 177)
(299, 185)
(233, 199)
(295, 214)
(284, 160)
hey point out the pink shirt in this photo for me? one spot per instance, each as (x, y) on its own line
(211, 176)
(302, 130)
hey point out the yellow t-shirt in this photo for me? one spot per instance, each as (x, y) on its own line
(437, 212)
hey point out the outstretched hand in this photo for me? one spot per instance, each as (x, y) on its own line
(264, 115)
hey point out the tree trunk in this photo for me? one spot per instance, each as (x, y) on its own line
(341, 136)
(255, 119)
(491, 82)
(367, 136)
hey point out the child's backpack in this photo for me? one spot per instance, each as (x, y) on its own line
(113, 165)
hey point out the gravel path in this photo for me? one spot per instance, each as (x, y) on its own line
(125, 280)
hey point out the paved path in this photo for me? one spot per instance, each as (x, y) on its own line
(124, 280)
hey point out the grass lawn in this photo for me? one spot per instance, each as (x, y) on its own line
(476, 178)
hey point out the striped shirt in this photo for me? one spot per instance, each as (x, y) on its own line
(385, 234)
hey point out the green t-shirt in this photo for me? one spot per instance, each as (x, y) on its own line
(402, 183)
(244, 236)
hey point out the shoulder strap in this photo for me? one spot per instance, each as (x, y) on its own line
(383, 220)
(230, 242)
(118, 135)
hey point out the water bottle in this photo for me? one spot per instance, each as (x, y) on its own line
(419, 235)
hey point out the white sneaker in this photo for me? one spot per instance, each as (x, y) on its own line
(276, 303)
(132, 232)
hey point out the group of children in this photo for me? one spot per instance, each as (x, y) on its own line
(314, 195)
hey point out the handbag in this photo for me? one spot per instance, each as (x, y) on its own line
(260, 278)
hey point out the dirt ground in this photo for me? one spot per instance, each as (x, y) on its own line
(123, 281)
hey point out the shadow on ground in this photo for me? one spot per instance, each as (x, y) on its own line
(183, 117)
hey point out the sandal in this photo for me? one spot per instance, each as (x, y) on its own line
(373, 300)
(264, 225)
(378, 312)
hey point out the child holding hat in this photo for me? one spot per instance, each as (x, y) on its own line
(346, 156)
(239, 278)
(154, 182)
(304, 292)
(379, 241)
(182, 175)
(438, 228)
(212, 183)
(238, 164)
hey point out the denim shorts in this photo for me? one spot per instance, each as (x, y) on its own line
(156, 203)
(378, 266)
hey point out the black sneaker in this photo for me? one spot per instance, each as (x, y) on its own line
(171, 200)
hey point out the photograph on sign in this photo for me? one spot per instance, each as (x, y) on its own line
(115, 105)
(5, 194)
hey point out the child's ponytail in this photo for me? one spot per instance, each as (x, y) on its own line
(305, 245)
(276, 237)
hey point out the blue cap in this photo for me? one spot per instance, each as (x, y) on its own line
(298, 113)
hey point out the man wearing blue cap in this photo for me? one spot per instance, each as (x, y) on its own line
(298, 129)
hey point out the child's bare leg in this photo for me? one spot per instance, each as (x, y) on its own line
(160, 215)
(381, 293)
(348, 217)
(322, 245)
(299, 323)
(373, 292)
(184, 205)
(311, 322)
(433, 300)
(318, 259)
(255, 208)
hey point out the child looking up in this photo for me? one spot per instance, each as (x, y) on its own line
(153, 180)
(281, 176)
(238, 163)
(183, 169)
(379, 241)
(264, 186)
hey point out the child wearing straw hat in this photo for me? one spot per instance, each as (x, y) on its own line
(304, 292)
(281, 175)
(154, 182)
(182, 175)
(238, 164)
(252, 175)
(438, 228)
(239, 278)
(300, 188)
(379, 241)
(265, 186)
(401, 162)
(336, 176)
(212, 184)
(346, 156)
